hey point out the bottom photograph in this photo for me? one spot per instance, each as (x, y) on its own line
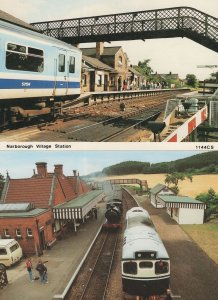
(139, 225)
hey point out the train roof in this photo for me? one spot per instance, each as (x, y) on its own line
(13, 20)
(141, 239)
(37, 35)
(140, 235)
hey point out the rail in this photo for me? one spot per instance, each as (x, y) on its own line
(159, 23)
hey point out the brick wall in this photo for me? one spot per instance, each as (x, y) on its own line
(29, 244)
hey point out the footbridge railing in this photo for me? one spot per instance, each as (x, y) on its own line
(160, 23)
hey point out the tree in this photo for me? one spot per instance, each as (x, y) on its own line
(211, 200)
(174, 179)
(144, 68)
(191, 80)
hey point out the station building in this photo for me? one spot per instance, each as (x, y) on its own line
(26, 207)
(183, 209)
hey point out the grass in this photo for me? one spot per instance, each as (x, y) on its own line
(206, 236)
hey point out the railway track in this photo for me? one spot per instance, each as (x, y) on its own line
(98, 123)
(97, 278)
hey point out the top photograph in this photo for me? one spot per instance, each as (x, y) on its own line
(109, 71)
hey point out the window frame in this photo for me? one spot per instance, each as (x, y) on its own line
(16, 232)
(60, 70)
(25, 56)
(27, 232)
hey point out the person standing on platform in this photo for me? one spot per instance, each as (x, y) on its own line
(29, 267)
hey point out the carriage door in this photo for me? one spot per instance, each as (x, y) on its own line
(62, 73)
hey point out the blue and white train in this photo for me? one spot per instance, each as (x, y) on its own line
(145, 261)
(37, 73)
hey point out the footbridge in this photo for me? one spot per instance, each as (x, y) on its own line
(160, 23)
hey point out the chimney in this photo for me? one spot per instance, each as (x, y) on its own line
(74, 173)
(58, 170)
(41, 169)
(99, 49)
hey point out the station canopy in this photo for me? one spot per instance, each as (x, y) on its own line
(77, 208)
(180, 202)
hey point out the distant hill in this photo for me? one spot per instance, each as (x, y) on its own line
(204, 163)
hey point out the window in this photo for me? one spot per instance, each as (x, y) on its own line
(146, 265)
(14, 247)
(18, 232)
(84, 79)
(24, 58)
(161, 267)
(99, 79)
(120, 61)
(3, 251)
(72, 64)
(6, 232)
(112, 79)
(130, 267)
(29, 232)
(61, 64)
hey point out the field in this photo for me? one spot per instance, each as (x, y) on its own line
(199, 184)
(206, 236)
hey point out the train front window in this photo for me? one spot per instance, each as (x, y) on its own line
(146, 265)
(61, 64)
(130, 267)
(72, 64)
(18, 58)
(161, 267)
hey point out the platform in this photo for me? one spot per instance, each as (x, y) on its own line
(62, 261)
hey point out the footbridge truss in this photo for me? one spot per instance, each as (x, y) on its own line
(160, 23)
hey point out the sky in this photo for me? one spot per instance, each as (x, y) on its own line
(174, 55)
(20, 164)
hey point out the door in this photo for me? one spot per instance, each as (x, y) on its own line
(92, 81)
(62, 74)
(105, 82)
(42, 240)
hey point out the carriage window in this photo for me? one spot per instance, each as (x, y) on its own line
(72, 65)
(146, 265)
(161, 267)
(130, 267)
(61, 65)
(18, 58)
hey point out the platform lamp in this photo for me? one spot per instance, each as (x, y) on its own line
(156, 128)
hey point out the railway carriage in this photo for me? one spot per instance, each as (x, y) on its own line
(145, 261)
(37, 72)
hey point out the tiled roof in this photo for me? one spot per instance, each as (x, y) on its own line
(108, 51)
(96, 63)
(81, 200)
(44, 191)
(157, 188)
(11, 19)
(36, 190)
(134, 71)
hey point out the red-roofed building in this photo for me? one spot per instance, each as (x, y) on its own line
(44, 189)
(35, 227)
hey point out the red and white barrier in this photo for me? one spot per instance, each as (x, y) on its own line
(191, 124)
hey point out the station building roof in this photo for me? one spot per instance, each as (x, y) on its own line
(157, 188)
(22, 214)
(181, 202)
(13, 20)
(97, 64)
(108, 51)
(77, 208)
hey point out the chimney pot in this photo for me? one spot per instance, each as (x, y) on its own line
(58, 170)
(41, 169)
